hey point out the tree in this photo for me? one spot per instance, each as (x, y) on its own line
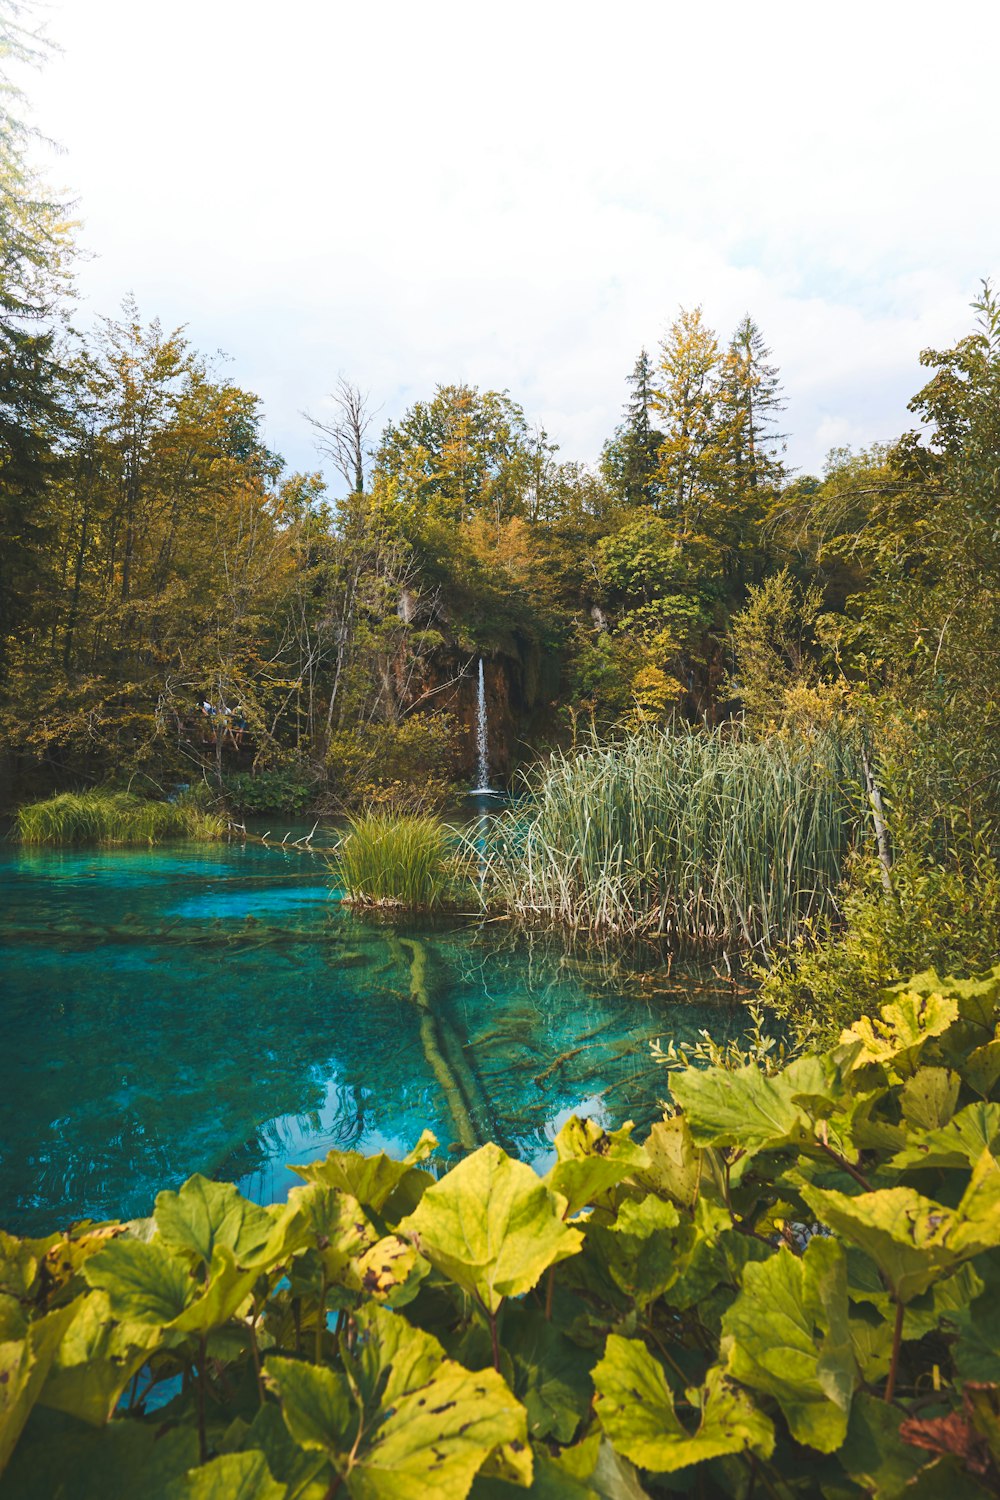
(460, 453)
(35, 250)
(690, 455)
(750, 398)
(344, 439)
(631, 459)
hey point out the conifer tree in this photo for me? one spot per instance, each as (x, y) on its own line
(631, 458)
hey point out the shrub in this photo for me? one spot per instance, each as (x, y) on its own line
(114, 817)
(789, 1289)
(386, 859)
(407, 764)
(937, 917)
(284, 789)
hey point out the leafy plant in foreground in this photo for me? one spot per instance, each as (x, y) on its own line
(790, 1290)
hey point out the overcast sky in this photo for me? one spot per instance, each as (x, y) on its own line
(522, 195)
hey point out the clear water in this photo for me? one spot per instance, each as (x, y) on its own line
(214, 1008)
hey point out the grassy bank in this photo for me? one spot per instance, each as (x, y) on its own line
(110, 817)
(698, 837)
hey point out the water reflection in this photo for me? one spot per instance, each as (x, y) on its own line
(211, 1009)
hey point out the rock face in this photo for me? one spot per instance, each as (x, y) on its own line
(516, 691)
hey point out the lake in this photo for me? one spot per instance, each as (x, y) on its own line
(214, 1008)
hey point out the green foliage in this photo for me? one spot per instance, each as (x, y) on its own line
(698, 836)
(941, 917)
(276, 789)
(409, 763)
(393, 859)
(110, 817)
(789, 1289)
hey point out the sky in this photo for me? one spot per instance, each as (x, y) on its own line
(523, 196)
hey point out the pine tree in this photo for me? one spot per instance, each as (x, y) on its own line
(631, 458)
(750, 399)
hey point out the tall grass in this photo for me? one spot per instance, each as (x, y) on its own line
(109, 817)
(698, 837)
(388, 859)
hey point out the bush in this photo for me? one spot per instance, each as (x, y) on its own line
(938, 917)
(409, 764)
(790, 1289)
(282, 789)
(113, 817)
(386, 859)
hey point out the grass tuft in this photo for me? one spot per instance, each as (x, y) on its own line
(702, 838)
(110, 817)
(385, 859)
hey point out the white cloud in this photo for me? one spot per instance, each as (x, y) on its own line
(522, 196)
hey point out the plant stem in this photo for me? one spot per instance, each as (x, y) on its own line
(321, 1319)
(493, 1338)
(550, 1287)
(897, 1339)
(859, 1177)
(202, 1356)
(255, 1356)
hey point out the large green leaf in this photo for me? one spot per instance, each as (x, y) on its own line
(741, 1107)
(95, 1360)
(787, 1335)
(635, 1407)
(590, 1160)
(905, 1234)
(905, 1026)
(234, 1476)
(647, 1249)
(673, 1162)
(204, 1214)
(147, 1283)
(405, 1420)
(551, 1374)
(959, 1143)
(336, 1226)
(981, 1068)
(492, 1226)
(928, 1099)
(24, 1364)
(380, 1184)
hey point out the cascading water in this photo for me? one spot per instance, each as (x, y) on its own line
(482, 736)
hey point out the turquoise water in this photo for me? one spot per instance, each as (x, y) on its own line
(213, 1008)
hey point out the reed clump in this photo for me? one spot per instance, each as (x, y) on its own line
(698, 837)
(114, 817)
(391, 860)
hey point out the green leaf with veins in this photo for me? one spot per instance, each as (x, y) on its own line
(929, 1098)
(673, 1165)
(590, 1160)
(203, 1214)
(904, 1027)
(375, 1180)
(234, 1476)
(551, 1374)
(647, 1249)
(960, 1143)
(492, 1226)
(787, 1335)
(635, 1407)
(404, 1419)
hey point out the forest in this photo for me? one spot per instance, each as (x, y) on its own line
(736, 712)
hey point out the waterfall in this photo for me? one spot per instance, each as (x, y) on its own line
(482, 740)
